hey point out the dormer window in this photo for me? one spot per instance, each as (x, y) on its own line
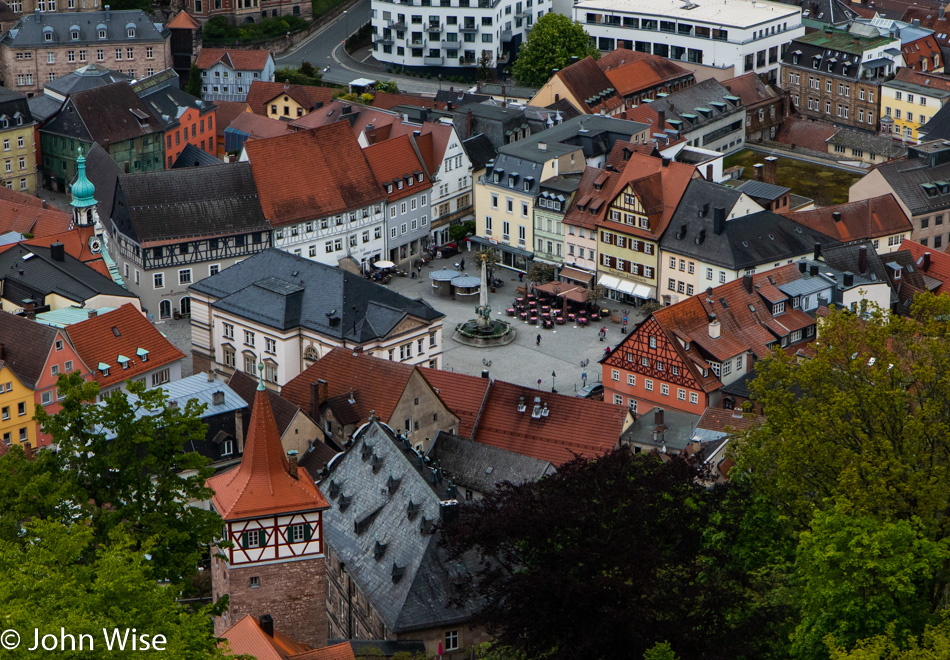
(778, 308)
(527, 186)
(130, 32)
(19, 119)
(410, 181)
(389, 188)
(102, 34)
(47, 34)
(496, 178)
(399, 185)
(419, 177)
(6, 122)
(74, 33)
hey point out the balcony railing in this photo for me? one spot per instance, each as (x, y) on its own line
(433, 61)
(506, 35)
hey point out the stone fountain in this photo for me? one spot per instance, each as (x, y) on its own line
(483, 331)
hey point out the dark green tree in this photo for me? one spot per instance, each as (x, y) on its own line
(125, 462)
(553, 40)
(194, 81)
(540, 272)
(485, 60)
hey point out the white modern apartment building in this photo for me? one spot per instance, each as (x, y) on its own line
(451, 33)
(748, 35)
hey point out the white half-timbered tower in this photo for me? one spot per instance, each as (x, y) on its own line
(272, 513)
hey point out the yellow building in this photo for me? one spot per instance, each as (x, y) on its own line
(910, 100)
(16, 409)
(17, 138)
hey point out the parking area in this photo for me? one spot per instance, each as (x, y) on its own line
(562, 351)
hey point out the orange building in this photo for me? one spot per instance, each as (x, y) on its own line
(185, 119)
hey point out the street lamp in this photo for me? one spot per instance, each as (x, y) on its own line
(553, 376)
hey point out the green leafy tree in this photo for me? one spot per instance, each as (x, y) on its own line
(194, 81)
(553, 41)
(660, 651)
(491, 258)
(125, 461)
(933, 644)
(388, 86)
(299, 76)
(485, 60)
(540, 272)
(306, 69)
(57, 575)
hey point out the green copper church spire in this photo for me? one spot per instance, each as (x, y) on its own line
(83, 191)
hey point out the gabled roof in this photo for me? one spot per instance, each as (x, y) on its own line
(938, 127)
(619, 57)
(257, 127)
(339, 651)
(227, 112)
(920, 51)
(192, 156)
(482, 467)
(719, 420)
(122, 333)
(864, 141)
(26, 346)
(237, 59)
(187, 203)
(166, 100)
(312, 174)
(598, 198)
(868, 218)
(262, 485)
(26, 214)
(261, 92)
(393, 161)
(104, 173)
(246, 387)
(750, 88)
(462, 394)
(556, 436)
(377, 384)
(105, 115)
(182, 21)
(383, 502)
(907, 179)
(246, 637)
(29, 30)
(78, 243)
(387, 101)
(590, 86)
(938, 264)
(283, 291)
(645, 73)
(705, 101)
(479, 150)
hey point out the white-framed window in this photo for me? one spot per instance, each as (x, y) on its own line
(270, 345)
(228, 330)
(184, 276)
(296, 534)
(648, 384)
(631, 380)
(160, 377)
(680, 394)
(452, 640)
(46, 398)
(249, 338)
(664, 389)
(252, 538)
(158, 280)
(614, 374)
(693, 398)
(618, 400)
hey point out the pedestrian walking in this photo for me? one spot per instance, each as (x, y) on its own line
(463, 264)
(539, 339)
(521, 277)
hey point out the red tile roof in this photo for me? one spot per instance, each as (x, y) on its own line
(377, 384)
(394, 161)
(586, 81)
(238, 60)
(261, 93)
(462, 394)
(259, 127)
(261, 485)
(936, 80)
(341, 651)
(619, 57)
(182, 21)
(226, 113)
(919, 54)
(866, 219)
(719, 419)
(806, 133)
(583, 217)
(572, 426)
(750, 88)
(76, 244)
(246, 637)
(312, 174)
(26, 214)
(928, 16)
(387, 101)
(645, 73)
(121, 332)
(939, 267)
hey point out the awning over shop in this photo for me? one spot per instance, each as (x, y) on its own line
(576, 275)
(478, 240)
(627, 287)
(609, 282)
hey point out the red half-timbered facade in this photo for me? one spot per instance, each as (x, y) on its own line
(273, 518)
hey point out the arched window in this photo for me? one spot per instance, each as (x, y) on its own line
(165, 309)
(184, 306)
(311, 353)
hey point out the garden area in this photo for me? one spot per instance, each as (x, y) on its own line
(217, 31)
(825, 185)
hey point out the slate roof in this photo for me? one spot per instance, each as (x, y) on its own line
(872, 144)
(39, 275)
(42, 106)
(29, 31)
(595, 134)
(166, 100)
(307, 292)
(26, 345)
(312, 174)
(106, 115)
(906, 178)
(262, 485)
(831, 50)
(868, 218)
(752, 240)
(376, 384)
(237, 59)
(381, 531)
(123, 332)
(590, 86)
(938, 127)
(706, 94)
(261, 92)
(192, 156)
(479, 150)
(187, 203)
(87, 77)
(482, 467)
(459, 98)
(104, 173)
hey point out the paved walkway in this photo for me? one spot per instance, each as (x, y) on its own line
(523, 362)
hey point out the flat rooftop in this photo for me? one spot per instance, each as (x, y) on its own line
(729, 13)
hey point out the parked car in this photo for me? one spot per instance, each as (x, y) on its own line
(591, 391)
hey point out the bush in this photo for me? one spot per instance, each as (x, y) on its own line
(218, 29)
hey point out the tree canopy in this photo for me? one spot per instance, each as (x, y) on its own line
(550, 45)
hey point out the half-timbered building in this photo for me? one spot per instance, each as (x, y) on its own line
(273, 518)
(638, 212)
(681, 356)
(170, 229)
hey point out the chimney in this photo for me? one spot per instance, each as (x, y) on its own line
(813, 270)
(925, 263)
(292, 463)
(715, 328)
(916, 22)
(468, 124)
(666, 162)
(448, 106)
(28, 451)
(802, 267)
(658, 417)
(836, 215)
(758, 167)
(484, 373)
(747, 282)
(719, 220)
(57, 252)
(318, 397)
(211, 377)
(848, 278)
(942, 11)
(108, 13)
(29, 306)
(3, 351)
(44, 204)
(92, 313)
(817, 252)
(863, 259)
(709, 173)
(771, 169)
(267, 624)
(660, 120)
